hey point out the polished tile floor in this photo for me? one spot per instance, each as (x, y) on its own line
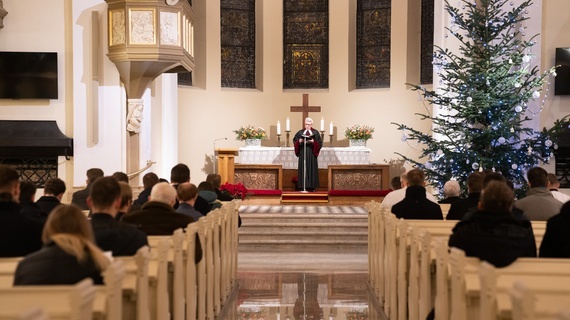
(287, 286)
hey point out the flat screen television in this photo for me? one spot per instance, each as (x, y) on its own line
(562, 79)
(28, 75)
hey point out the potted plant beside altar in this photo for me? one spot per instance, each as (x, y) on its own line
(251, 134)
(358, 134)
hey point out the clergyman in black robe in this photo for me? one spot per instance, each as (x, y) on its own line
(308, 143)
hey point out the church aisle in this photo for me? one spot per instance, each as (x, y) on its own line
(289, 286)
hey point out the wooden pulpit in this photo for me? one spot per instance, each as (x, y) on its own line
(226, 159)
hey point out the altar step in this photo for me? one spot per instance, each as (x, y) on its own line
(303, 232)
(305, 197)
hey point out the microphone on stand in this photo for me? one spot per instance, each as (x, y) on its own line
(215, 169)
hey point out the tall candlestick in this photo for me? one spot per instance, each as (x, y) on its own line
(322, 124)
(287, 125)
(331, 129)
(278, 127)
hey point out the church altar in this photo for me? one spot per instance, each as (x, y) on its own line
(285, 156)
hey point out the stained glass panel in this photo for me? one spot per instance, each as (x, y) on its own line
(426, 69)
(238, 43)
(373, 43)
(305, 44)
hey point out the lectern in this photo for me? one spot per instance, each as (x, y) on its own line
(226, 159)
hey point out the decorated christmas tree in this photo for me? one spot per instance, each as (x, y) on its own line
(487, 95)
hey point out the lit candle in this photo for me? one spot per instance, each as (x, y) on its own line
(278, 127)
(322, 124)
(331, 129)
(287, 125)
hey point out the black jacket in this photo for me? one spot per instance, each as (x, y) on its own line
(496, 237)
(19, 235)
(417, 206)
(556, 240)
(121, 238)
(458, 209)
(51, 266)
(47, 203)
(157, 218)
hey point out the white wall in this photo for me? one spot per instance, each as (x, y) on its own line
(21, 34)
(208, 111)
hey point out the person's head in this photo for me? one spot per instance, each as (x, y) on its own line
(164, 193)
(27, 191)
(451, 189)
(395, 183)
(54, 187)
(187, 192)
(121, 176)
(126, 196)
(10, 182)
(180, 173)
(205, 185)
(308, 123)
(68, 227)
(105, 196)
(416, 177)
(493, 176)
(94, 174)
(215, 180)
(537, 177)
(149, 180)
(496, 197)
(475, 182)
(553, 182)
(404, 179)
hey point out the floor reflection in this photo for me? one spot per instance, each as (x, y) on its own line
(302, 296)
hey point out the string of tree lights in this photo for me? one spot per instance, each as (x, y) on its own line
(485, 94)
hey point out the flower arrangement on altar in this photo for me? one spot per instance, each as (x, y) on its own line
(250, 132)
(236, 191)
(359, 132)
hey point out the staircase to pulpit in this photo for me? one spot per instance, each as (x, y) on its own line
(303, 228)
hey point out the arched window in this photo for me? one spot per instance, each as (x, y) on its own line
(373, 43)
(305, 44)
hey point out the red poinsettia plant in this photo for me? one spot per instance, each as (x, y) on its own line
(236, 190)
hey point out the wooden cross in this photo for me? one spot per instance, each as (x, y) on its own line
(305, 109)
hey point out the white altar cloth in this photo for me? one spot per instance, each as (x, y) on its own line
(285, 156)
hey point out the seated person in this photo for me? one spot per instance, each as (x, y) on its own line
(69, 254)
(415, 204)
(395, 183)
(27, 197)
(207, 192)
(492, 233)
(157, 216)
(459, 208)
(187, 194)
(451, 191)
(149, 180)
(553, 185)
(538, 204)
(216, 181)
(54, 189)
(126, 200)
(19, 235)
(556, 240)
(122, 239)
(398, 194)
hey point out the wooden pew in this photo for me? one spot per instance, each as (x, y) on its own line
(136, 285)
(32, 313)
(482, 291)
(528, 303)
(383, 251)
(61, 302)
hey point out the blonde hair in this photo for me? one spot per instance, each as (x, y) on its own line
(68, 227)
